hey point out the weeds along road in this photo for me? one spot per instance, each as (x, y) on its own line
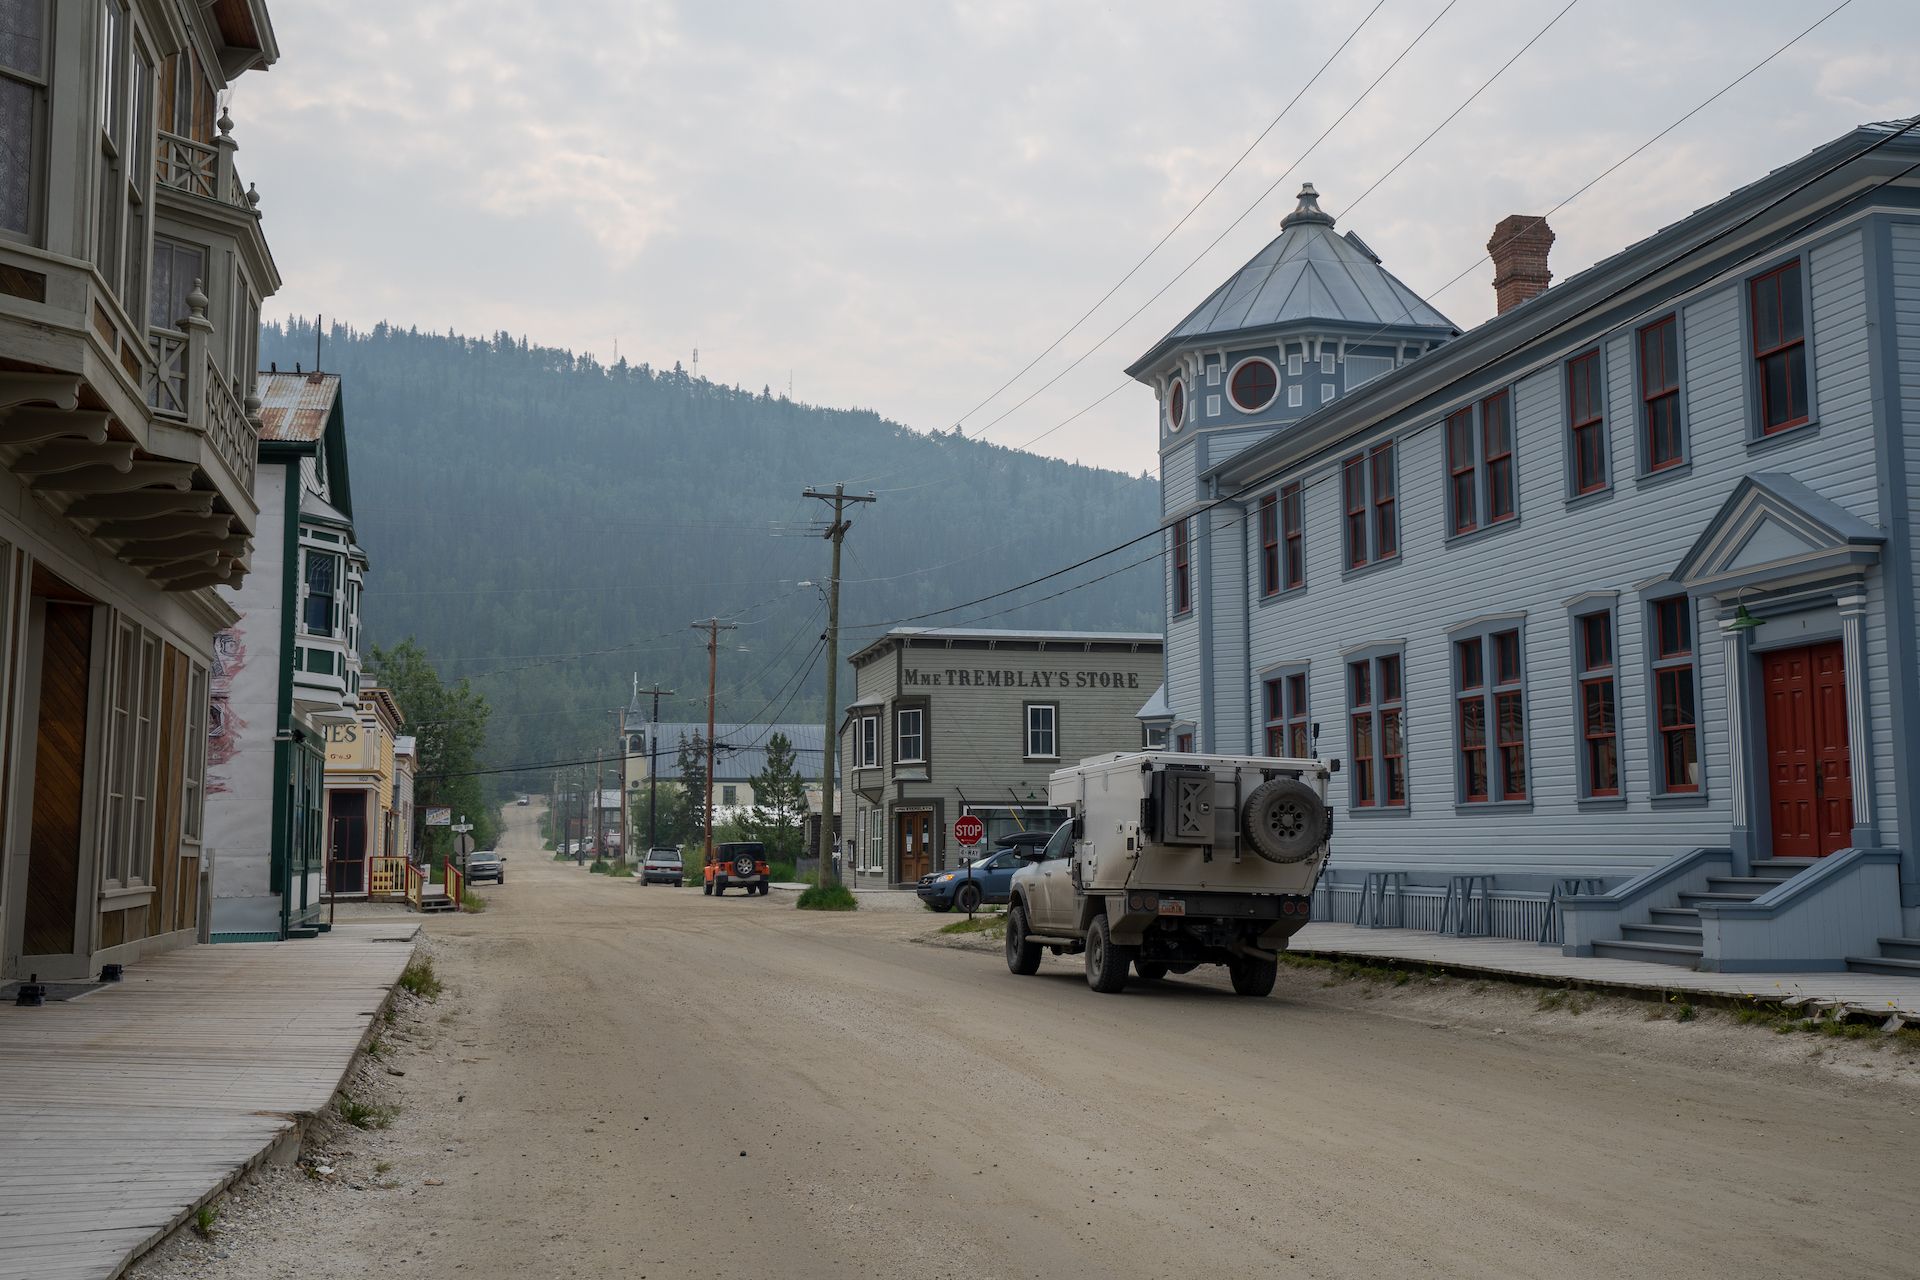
(661, 1084)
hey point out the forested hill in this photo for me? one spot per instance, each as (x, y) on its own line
(550, 525)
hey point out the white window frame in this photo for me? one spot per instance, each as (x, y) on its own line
(918, 736)
(1326, 362)
(866, 742)
(193, 784)
(1296, 364)
(1051, 731)
(1296, 396)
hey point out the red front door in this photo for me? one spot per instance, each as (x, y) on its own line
(1809, 777)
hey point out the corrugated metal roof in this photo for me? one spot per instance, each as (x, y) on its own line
(294, 407)
(1306, 273)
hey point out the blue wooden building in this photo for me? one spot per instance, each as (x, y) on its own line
(1606, 606)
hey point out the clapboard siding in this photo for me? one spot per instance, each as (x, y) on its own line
(1179, 488)
(1627, 541)
(1906, 309)
(1234, 531)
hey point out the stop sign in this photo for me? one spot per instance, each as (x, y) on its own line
(969, 831)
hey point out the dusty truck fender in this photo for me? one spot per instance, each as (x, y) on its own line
(1126, 927)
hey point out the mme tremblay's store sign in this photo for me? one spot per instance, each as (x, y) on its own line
(1042, 681)
(350, 746)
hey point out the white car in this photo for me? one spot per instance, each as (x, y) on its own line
(662, 865)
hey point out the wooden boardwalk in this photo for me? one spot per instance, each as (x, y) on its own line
(1862, 992)
(121, 1112)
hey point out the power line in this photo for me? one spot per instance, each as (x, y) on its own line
(1171, 231)
(1236, 495)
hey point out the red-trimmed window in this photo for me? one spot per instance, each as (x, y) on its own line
(1471, 692)
(1480, 464)
(1393, 738)
(1490, 717)
(1184, 744)
(1660, 393)
(1376, 716)
(1599, 706)
(1496, 455)
(1386, 525)
(1253, 385)
(1780, 347)
(1293, 535)
(1463, 487)
(1353, 490)
(1509, 716)
(1286, 705)
(1270, 545)
(1675, 717)
(1182, 571)
(1176, 405)
(1586, 413)
(1361, 713)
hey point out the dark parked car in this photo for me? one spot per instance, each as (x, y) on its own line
(485, 864)
(990, 879)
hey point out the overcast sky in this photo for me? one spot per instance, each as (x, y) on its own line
(903, 202)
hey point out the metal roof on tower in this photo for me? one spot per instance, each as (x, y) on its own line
(1306, 274)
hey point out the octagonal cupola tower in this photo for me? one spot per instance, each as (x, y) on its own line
(1311, 316)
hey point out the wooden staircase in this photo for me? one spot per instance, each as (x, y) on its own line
(1672, 934)
(1898, 956)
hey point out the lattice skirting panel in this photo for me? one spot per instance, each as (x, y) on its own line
(1514, 915)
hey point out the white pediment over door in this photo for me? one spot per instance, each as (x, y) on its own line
(1772, 531)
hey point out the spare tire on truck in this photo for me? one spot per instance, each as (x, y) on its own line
(1284, 819)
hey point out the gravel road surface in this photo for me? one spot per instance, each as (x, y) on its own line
(642, 1082)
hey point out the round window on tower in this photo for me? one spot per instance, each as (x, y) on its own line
(1176, 405)
(1254, 384)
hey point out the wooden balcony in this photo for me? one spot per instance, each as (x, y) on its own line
(202, 169)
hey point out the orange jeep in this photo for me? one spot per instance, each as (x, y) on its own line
(743, 863)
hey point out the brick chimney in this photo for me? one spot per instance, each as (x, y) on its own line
(1519, 248)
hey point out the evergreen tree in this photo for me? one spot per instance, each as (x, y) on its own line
(779, 801)
(692, 798)
(449, 727)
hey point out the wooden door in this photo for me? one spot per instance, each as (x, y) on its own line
(916, 845)
(59, 780)
(347, 851)
(1809, 773)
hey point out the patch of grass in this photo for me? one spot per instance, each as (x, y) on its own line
(377, 1048)
(381, 1166)
(1847, 1030)
(782, 872)
(1684, 1011)
(364, 1115)
(471, 901)
(1339, 968)
(1572, 1001)
(831, 897)
(420, 979)
(203, 1220)
(1907, 1039)
(996, 924)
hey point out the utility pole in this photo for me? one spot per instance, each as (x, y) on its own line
(835, 533)
(599, 835)
(713, 627)
(653, 772)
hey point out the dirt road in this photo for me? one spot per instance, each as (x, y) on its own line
(627, 1081)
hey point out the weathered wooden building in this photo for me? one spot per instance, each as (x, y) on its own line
(287, 671)
(1610, 599)
(132, 265)
(955, 720)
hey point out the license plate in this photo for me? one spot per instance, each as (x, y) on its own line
(1172, 907)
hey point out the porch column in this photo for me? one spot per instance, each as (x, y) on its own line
(1739, 774)
(1853, 612)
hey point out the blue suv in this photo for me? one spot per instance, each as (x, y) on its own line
(990, 879)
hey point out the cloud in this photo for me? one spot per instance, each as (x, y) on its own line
(905, 203)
